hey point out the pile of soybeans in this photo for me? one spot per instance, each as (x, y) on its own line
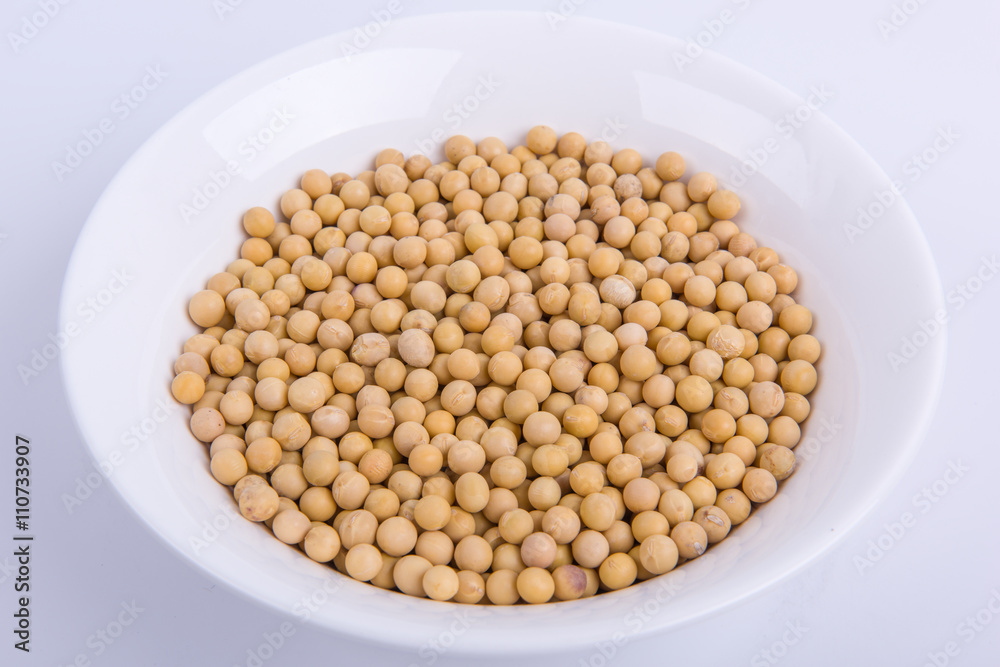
(516, 375)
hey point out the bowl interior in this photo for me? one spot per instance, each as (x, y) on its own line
(171, 218)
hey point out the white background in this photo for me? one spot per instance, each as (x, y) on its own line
(892, 92)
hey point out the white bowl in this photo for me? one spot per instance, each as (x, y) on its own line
(171, 218)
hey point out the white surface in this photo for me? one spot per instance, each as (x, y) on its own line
(891, 94)
(796, 203)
